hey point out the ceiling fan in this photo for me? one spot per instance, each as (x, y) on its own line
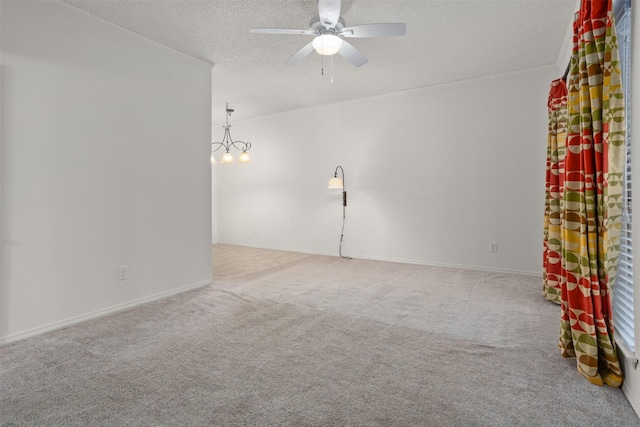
(329, 28)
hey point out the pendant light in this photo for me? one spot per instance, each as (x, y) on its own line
(227, 143)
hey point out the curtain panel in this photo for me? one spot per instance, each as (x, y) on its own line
(552, 273)
(583, 204)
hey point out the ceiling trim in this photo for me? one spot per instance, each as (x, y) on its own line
(392, 94)
(567, 45)
(68, 6)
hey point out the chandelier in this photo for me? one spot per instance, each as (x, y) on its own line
(227, 143)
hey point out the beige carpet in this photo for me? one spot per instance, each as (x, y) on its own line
(231, 261)
(313, 341)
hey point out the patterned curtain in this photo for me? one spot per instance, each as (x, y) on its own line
(590, 206)
(553, 278)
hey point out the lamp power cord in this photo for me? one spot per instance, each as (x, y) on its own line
(344, 218)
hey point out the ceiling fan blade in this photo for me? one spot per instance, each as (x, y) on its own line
(352, 54)
(301, 54)
(329, 12)
(375, 30)
(279, 31)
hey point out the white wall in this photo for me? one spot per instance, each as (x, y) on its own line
(105, 140)
(214, 204)
(433, 175)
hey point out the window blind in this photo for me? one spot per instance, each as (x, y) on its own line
(623, 312)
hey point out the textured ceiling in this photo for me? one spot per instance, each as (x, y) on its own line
(446, 41)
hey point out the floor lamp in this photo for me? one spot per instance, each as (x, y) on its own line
(336, 183)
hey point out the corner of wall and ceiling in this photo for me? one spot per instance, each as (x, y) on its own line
(567, 45)
(78, 10)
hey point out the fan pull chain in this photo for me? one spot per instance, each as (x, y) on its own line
(331, 59)
(330, 67)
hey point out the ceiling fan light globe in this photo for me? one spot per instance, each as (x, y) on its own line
(327, 44)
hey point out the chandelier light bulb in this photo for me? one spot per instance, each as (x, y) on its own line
(244, 157)
(227, 158)
(327, 44)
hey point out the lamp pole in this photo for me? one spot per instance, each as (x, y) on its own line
(344, 204)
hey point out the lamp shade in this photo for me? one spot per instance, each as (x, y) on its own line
(327, 44)
(244, 157)
(227, 158)
(335, 184)
(213, 159)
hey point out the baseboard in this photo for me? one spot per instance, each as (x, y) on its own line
(398, 260)
(448, 265)
(98, 313)
(634, 399)
(629, 362)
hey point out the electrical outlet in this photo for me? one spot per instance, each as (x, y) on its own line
(493, 247)
(123, 272)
